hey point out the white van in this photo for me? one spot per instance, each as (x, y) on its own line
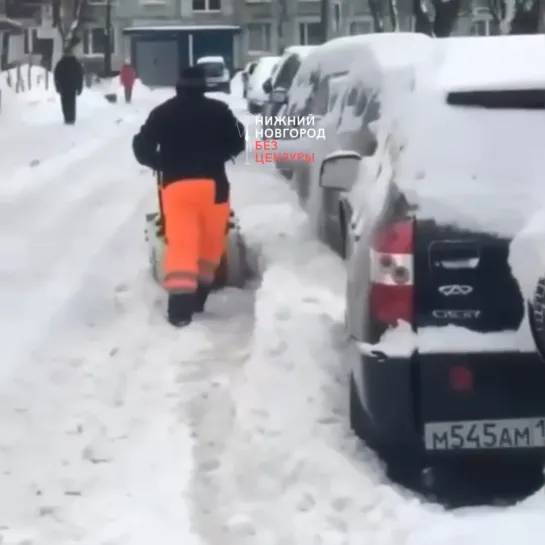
(216, 73)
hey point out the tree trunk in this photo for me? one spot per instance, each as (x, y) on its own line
(422, 21)
(108, 40)
(375, 7)
(446, 16)
(527, 17)
(68, 20)
(324, 19)
(394, 15)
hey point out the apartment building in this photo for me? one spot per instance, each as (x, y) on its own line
(237, 29)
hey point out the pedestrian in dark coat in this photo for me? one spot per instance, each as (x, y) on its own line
(68, 76)
(189, 138)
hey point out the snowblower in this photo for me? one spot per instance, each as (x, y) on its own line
(233, 268)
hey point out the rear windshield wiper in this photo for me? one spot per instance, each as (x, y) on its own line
(520, 99)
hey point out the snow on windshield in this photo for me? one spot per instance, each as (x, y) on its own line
(212, 69)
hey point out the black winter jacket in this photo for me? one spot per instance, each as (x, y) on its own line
(190, 136)
(68, 75)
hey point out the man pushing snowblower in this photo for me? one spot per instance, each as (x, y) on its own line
(188, 139)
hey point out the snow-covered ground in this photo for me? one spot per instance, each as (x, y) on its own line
(119, 430)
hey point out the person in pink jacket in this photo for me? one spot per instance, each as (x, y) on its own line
(127, 75)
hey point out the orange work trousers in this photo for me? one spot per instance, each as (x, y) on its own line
(195, 231)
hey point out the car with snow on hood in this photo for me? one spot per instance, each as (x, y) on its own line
(339, 86)
(445, 319)
(256, 95)
(216, 74)
(277, 87)
(246, 73)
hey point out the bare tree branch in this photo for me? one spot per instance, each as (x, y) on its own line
(375, 7)
(497, 10)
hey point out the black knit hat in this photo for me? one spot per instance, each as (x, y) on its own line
(192, 78)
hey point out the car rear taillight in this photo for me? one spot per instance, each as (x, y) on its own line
(460, 378)
(392, 274)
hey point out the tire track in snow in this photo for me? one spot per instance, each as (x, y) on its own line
(36, 174)
(208, 385)
(94, 436)
(48, 248)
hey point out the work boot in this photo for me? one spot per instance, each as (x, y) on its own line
(180, 309)
(203, 291)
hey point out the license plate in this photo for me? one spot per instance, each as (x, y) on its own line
(485, 434)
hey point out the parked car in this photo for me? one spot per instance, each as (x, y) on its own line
(246, 73)
(256, 95)
(217, 74)
(446, 359)
(338, 84)
(279, 85)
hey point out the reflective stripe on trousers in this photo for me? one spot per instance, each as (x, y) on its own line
(180, 282)
(195, 228)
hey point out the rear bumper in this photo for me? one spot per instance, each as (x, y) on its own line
(402, 395)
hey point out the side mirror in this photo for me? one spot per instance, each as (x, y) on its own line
(340, 170)
(279, 96)
(267, 86)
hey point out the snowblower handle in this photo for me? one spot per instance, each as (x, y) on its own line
(159, 181)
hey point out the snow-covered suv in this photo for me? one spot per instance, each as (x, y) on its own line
(446, 359)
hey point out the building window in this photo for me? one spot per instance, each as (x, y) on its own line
(31, 41)
(361, 27)
(259, 36)
(479, 28)
(484, 26)
(95, 41)
(206, 5)
(310, 33)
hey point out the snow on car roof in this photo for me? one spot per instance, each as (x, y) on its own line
(211, 58)
(470, 166)
(265, 65)
(335, 54)
(301, 50)
(495, 62)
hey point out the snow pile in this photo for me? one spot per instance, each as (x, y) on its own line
(28, 78)
(33, 89)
